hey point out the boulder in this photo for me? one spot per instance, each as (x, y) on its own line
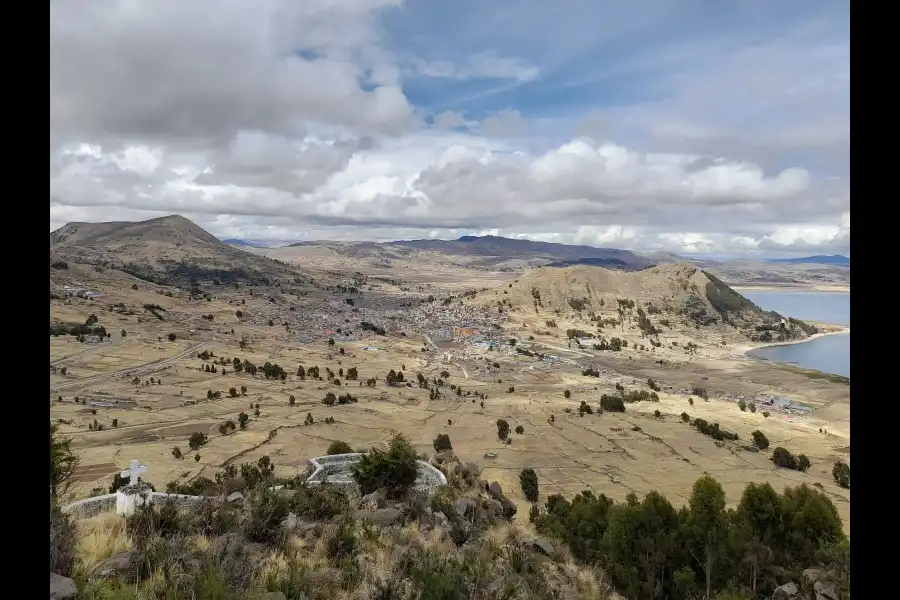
(62, 588)
(440, 518)
(541, 545)
(236, 497)
(495, 491)
(509, 508)
(464, 506)
(811, 575)
(364, 515)
(114, 566)
(290, 521)
(373, 500)
(825, 590)
(470, 469)
(788, 591)
(234, 546)
(386, 517)
(494, 507)
(444, 457)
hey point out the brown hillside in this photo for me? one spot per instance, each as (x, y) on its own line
(170, 250)
(678, 293)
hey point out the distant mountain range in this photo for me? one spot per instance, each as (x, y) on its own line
(247, 243)
(174, 248)
(819, 259)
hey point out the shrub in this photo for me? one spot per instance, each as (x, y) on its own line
(63, 462)
(520, 430)
(742, 405)
(338, 447)
(685, 417)
(232, 392)
(567, 394)
(766, 414)
(502, 429)
(442, 443)
(760, 440)
(243, 418)
(263, 521)
(393, 470)
(782, 458)
(438, 578)
(612, 403)
(176, 452)
(63, 541)
(196, 440)
(657, 414)
(841, 474)
(171, 337)
(529, 482)
(329, 399)
(319, 502)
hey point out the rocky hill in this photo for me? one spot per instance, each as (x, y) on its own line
(255, 536)
(682, 293)
(170, 250)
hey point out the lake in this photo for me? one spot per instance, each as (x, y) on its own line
(829, 354)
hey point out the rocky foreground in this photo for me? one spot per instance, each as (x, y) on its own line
(251, 540)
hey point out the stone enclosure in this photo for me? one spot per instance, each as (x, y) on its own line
(335, 470)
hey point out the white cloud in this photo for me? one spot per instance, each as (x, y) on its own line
(486, 65)
(281, 120)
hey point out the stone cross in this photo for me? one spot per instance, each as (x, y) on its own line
(133, 472)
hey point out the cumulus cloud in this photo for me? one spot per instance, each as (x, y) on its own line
(284, 121)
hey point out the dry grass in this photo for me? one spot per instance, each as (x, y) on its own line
(159, 417)
(99, 538)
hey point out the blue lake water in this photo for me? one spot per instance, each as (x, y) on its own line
(829, 354)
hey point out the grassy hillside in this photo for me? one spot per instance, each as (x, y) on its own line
(466, 542)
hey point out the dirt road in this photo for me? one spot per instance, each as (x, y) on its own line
(133, 371)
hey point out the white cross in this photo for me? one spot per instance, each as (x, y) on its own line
(133, 471)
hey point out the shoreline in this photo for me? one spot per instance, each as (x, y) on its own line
(812, 289)
(744, 349)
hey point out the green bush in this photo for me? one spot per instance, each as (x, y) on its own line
(319, 502)
(196, 440)
(612, 403)
(63, 542)
(262, 523)
(393, 470)
(529, 482)
(760, 440)
(442, 443)
(782, 458)
(338, 447)
(841, 474)
(435, 577)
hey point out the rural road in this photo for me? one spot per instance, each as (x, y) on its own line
(466, 373)
(136, 370)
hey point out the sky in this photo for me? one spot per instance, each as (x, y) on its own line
(688, 126)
